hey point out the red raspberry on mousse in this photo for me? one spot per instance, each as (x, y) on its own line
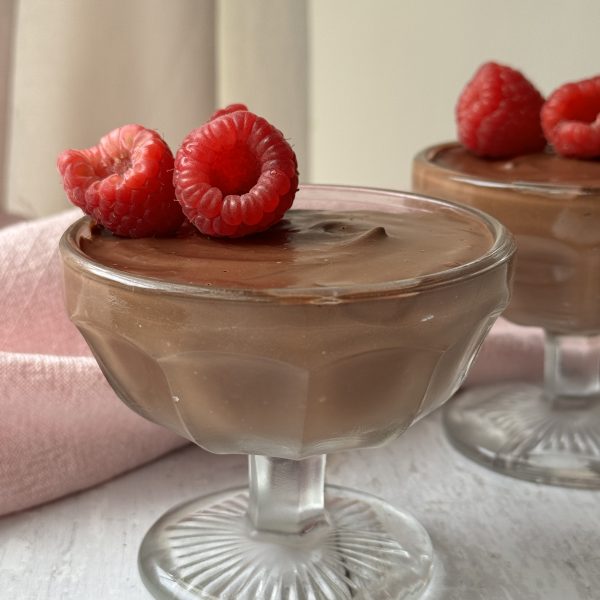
(236, 174)
(498, 113)
(571, 119)
(124, 183)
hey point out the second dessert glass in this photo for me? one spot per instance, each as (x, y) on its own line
(549, 433)
(285, 376)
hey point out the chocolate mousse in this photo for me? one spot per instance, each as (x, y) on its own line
(309, 249)
(335, 329)
(552, 206)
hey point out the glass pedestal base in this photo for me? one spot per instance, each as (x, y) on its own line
(207, 549)
(512, 428)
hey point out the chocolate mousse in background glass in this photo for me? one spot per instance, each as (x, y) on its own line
(336, 329)
(547, 433)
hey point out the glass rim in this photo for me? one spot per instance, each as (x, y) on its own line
(425, 156)
(500, 251)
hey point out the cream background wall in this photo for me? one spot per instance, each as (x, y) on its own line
(385, 74)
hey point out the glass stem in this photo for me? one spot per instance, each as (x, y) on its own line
(572, 369)
(287, 496)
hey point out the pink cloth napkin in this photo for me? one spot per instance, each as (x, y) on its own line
(62, 428)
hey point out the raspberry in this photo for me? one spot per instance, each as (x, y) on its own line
(571, 119)
(235, 175)
(498, 113)
(227, 110)
(124, 183)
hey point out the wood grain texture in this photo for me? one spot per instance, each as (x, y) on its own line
(495, 538)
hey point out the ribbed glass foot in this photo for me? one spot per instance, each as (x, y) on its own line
(209, 549)
(516, 430)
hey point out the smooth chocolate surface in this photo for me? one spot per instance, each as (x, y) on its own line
(541, 168)
(308, 249)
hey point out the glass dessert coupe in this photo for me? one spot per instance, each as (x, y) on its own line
(286, 346)
(548, 433)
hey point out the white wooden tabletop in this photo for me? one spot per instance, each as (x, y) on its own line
(495, 538)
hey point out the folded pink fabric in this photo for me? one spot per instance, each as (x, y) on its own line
(62, 428)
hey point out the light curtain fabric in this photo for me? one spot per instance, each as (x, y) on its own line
(82, 67)
(6, 35)
(262, 59)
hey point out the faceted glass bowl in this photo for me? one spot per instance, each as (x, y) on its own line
(548, 433)
(287, 375)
